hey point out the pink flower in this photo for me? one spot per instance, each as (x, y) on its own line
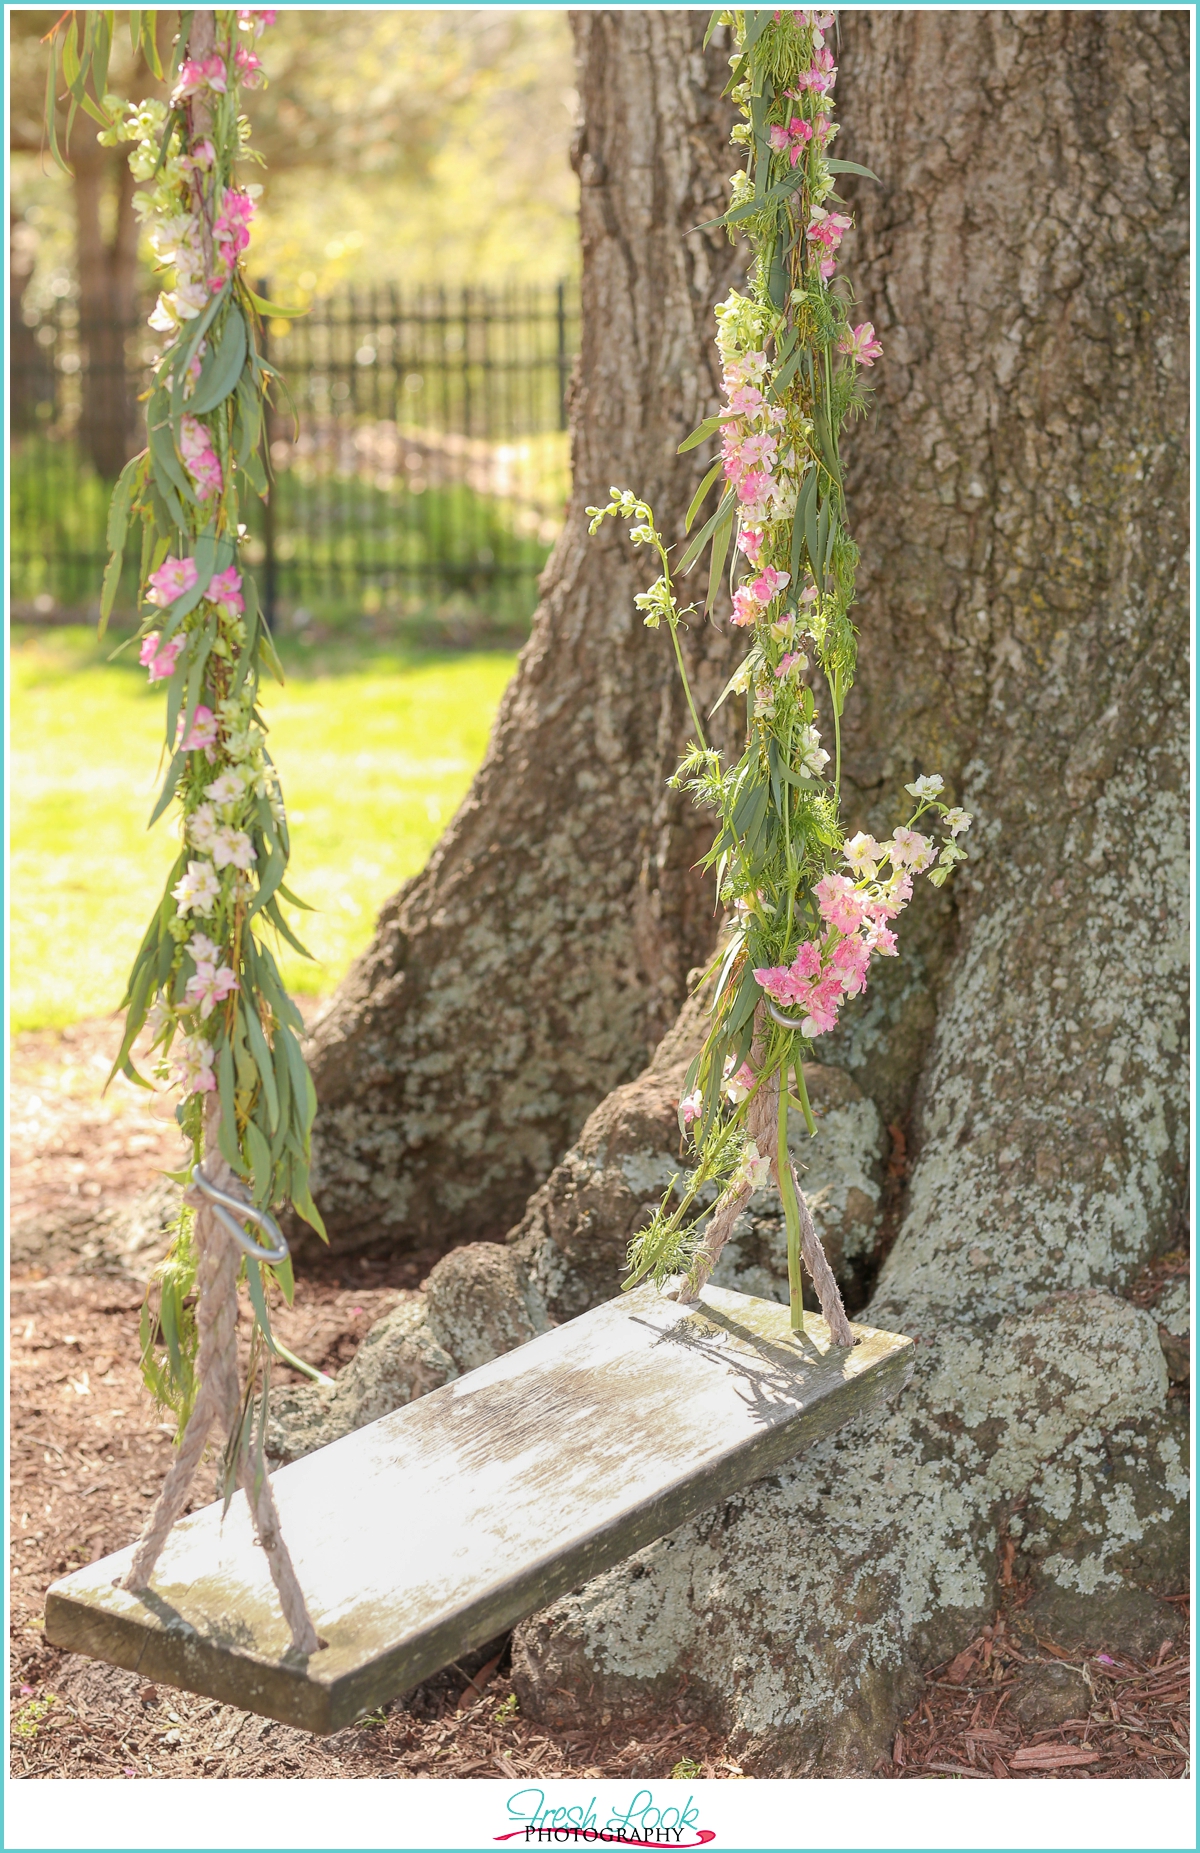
(828, 228)
(225, 592)
(691, 1107)
(746, 608)
(171, 581)
(255, 19)
(840, 902)
(231, 233)
(756, 485)
(791, 137)
(776, 980)
(160, 662)
(199, 74)
(202, 154)
(851, 957)
(746, 402)
(909, 849)
(880, 940)
(761, 447)
(200, 459)
(807, 962)
(860, 344)
(209, 985)
(202, 735)
(789, 661)
(894, 899)
(750, 542)
(769, 582)
(194, 1071)
(823, 1004)
(739, 1085)
(249, 67)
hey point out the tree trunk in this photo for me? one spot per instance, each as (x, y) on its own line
(107, 299)
(538, 959)
(1020, 497)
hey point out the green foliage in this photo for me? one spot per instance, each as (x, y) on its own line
(793, 377)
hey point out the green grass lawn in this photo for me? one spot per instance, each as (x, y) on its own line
(376, 749)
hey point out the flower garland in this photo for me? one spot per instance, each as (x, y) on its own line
(204, 980)
(810, 908)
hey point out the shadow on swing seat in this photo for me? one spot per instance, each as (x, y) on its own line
(436, 1528)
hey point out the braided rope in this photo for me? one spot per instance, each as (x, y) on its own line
(217, 1406)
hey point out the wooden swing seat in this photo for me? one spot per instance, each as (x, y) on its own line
(432, 1530)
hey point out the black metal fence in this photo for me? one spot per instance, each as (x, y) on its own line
(422, 467)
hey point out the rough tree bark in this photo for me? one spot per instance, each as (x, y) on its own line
(543, 952)
(1021, 501)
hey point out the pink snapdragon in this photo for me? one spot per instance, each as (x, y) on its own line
(256, 19)
(200, 74)
(746, 608)
(860, 344)
(173, 578)
(160, 661)
(202, 734)
(821, 74)
(249, 67)
(828, 228)
(790, 138)
(768, 583)
(739, 1085)
(199, 457)
(225, 592)
(231, 234)
(691, 1107)
(750, 542)
(792, 660)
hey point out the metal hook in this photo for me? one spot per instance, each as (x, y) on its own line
(223, 1204)
(777, 1016)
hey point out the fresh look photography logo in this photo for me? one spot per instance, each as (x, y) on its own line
(642, 1822)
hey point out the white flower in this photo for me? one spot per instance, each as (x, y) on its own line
(957, 820)
(201, 948)
(813, 757)
(862, 852)
(226, 789)
(198, 889)
(927, 786)
(757, 1170)
(201, 826)
(232, 846)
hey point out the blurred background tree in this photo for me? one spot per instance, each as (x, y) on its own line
(441, 140)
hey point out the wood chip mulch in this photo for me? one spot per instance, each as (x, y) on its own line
(89, 1451)
(1135, 1725)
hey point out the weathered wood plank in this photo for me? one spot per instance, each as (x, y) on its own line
(437, 1527)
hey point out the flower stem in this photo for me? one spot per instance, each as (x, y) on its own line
(802, 1097)
(687, 687)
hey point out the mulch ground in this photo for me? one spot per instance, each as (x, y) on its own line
(1134, 1725)
(89, 1451)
